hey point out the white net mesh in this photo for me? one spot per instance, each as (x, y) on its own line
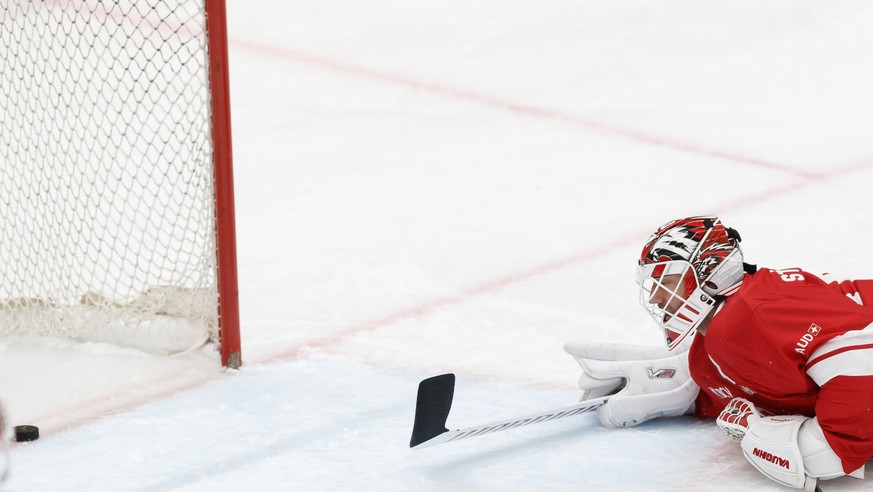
(106, 181)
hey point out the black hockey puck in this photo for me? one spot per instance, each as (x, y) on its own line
(24, 433)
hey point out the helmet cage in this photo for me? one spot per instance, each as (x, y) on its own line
(683, 302)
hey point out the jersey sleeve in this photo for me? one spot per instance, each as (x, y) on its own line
(860, 291)
(844, 412)
(843, 369)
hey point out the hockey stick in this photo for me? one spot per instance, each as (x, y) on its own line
(434, 401)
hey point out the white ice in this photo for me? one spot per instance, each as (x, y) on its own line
(463, 186)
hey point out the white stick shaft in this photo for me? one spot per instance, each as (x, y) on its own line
(502, 425)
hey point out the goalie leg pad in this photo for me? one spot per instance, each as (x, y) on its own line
(770, 445)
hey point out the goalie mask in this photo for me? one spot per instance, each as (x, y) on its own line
(684, 268)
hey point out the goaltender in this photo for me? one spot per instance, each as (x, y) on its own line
(783, 359)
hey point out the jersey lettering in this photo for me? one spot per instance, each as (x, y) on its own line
(722, 392)
(807, 337)
(790, 274)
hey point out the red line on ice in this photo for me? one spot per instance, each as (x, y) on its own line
(492, 101)
(496, 284)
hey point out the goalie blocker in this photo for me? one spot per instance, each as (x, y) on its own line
(789, 449)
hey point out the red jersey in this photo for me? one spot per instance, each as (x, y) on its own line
(794, 343)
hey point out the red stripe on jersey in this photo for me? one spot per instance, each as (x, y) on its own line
(837, 352)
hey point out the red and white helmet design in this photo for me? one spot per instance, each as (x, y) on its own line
(683, 268)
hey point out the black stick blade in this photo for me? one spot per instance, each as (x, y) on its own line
(432, 408)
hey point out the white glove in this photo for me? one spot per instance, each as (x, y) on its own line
(647, 382)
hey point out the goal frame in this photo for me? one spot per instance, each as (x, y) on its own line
(225, 222)
(116, 167)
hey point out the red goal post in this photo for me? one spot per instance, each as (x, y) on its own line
(116, 181)
(216, 17)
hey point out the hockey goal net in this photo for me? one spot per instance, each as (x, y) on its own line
(116, 204)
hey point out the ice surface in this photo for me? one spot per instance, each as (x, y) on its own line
(463, 186)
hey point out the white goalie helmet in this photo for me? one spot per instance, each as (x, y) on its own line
(684, 268)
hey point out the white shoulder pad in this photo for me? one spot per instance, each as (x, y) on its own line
(770, 445)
